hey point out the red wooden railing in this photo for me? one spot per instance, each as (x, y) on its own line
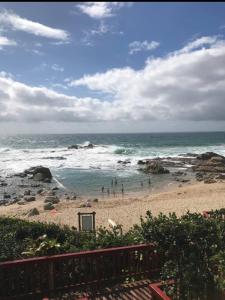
(46, 276)
(156, 291)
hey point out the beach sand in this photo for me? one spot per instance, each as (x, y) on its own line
(127, 209)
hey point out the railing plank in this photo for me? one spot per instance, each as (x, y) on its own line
(48, 275)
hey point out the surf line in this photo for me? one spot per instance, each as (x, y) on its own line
(59, 183)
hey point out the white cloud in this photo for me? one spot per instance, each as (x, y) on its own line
(184, 85)
(99, 10)
(57, 68)
(4, 41)
(100, 30)
(16, 22)
(137, 46)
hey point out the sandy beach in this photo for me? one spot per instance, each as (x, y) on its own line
(127, 209)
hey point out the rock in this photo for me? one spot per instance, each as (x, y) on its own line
(95, 200)
(39, 173)
(29, 198)
(39, 191)
(124, 162)
(73, 147)
(155, 167)
(48, 206)
(27, 192)
(87, 204)
(54, 157)
(179, 173)
(6, 196)
(21, 202)
(141, 162)
(208, 155)
(220, 176)
(22, 175)
(209, 180)
(35, 185)
(51, 199)
(3, 183)
(89, 146)
(55, 188)
(33, 212)
(47, 180)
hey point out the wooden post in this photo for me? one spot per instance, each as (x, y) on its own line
(51, 276)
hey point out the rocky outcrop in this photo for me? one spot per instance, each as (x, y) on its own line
(73, 147)
(155, 167)
(210, 162)
(87, 146)
(39, 173)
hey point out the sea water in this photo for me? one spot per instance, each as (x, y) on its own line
(86, 171)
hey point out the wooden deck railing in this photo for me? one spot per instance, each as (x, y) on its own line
(45, 276)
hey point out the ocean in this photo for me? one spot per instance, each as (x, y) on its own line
(86, 171)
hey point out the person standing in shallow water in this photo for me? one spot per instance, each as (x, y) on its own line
(122, 189)
(115, 181)
(103, 189)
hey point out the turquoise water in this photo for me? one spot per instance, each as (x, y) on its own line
(87, 170)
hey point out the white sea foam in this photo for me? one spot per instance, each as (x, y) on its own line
(104, 157)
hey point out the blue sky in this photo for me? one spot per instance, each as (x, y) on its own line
(112, 66)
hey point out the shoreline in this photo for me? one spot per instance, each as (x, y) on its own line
(126, 210)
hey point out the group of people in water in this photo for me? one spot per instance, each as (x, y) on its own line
(114, 184)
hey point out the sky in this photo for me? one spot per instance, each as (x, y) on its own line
(87, 67)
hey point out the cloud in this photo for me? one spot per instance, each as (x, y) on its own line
(18, 23)
(188, 84)
(99, 10)
(57, 68)
(137, 46)
(183, 85)
(4, 41)
(100, 30)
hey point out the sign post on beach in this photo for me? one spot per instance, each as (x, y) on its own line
(86, 221)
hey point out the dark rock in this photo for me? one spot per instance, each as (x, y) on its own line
(48, 206)
(51, 199)
(209, 180)
(39, 191)
(29, 198)
(55, 188)
(35, 185)
(47, 180)
(55, 157)
(21, 202)
(208, 155)
(3, 183)
(89, 146)
(220, 176)
(141, 162)
(39, 173)
(73, 147)
(155, 168)
(33, 212)
(27, 192)
(6, 196)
